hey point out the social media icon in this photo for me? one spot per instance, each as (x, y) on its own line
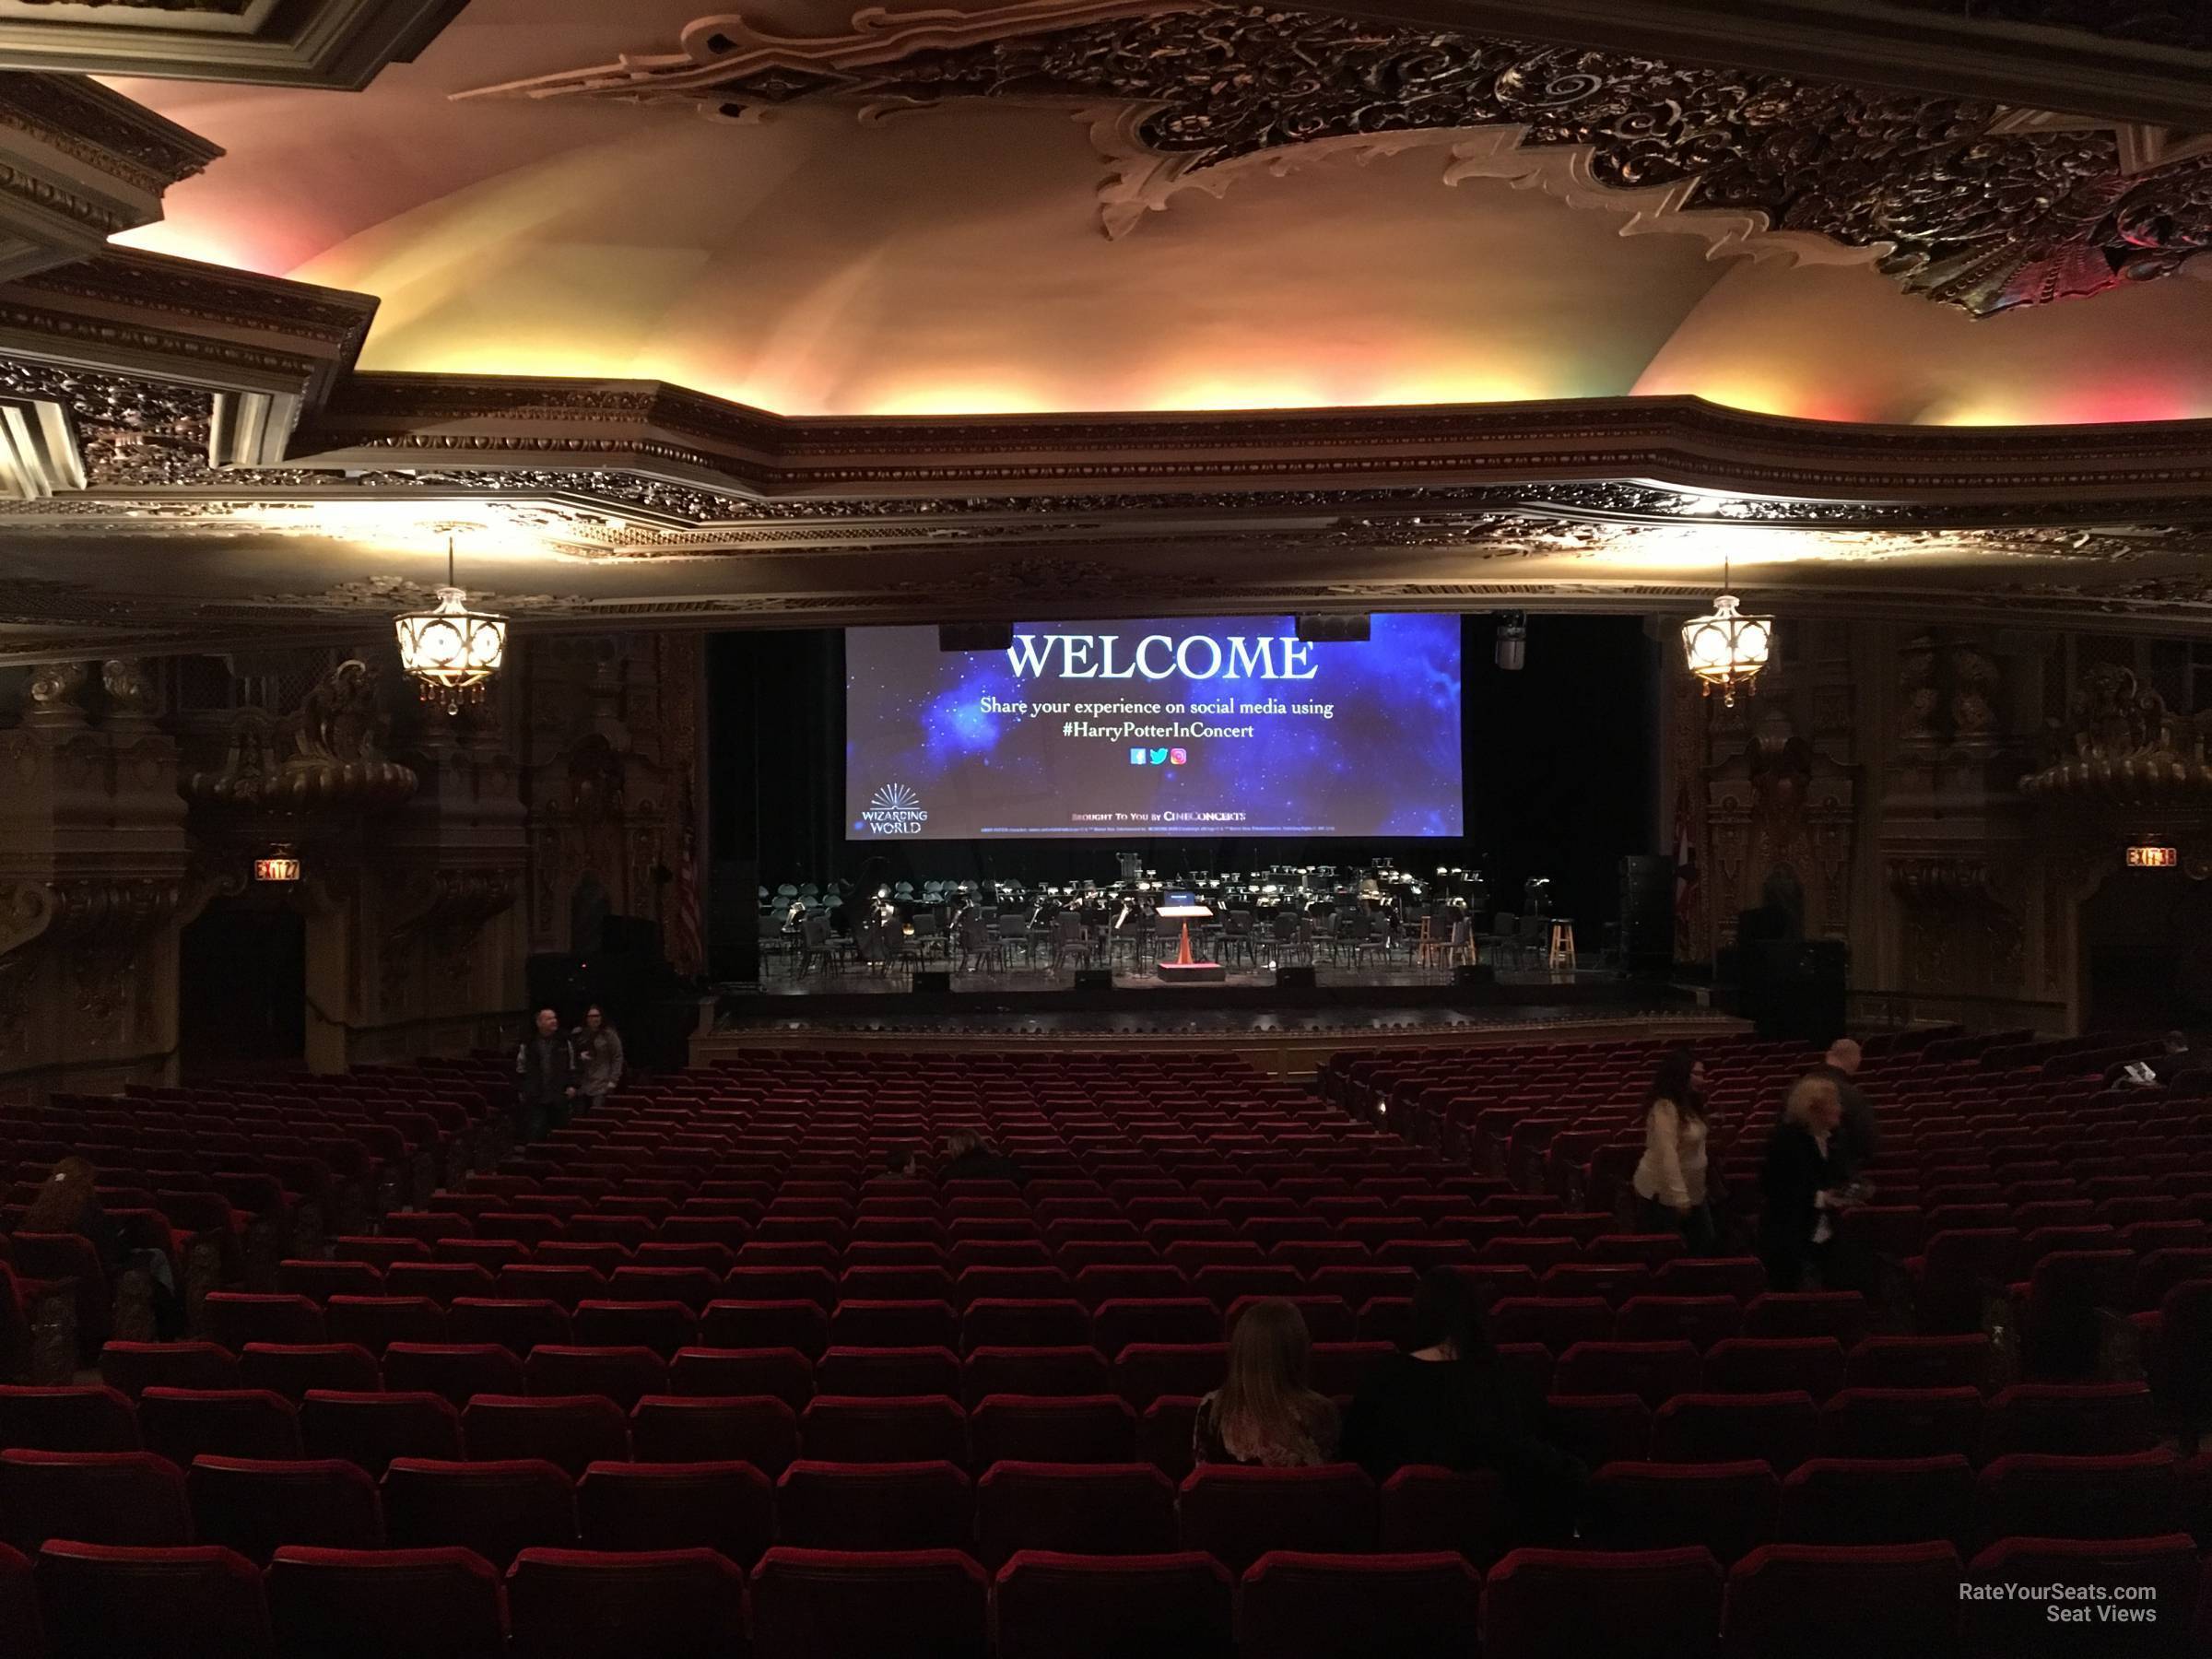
(1160, 757)
(1137, 756)
(1178, 756)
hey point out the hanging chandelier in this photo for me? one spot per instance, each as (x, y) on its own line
(1727, 649)
(450, 653)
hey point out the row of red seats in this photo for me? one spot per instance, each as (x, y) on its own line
(802, 1604)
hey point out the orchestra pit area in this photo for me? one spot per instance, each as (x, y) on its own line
(693, 1375)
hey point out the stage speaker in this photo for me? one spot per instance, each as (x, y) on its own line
(1296, 977)
(1333, 631)
(1794, 989)
(1647, 913)
(1473, 974)
(932, 982)
(975, 636)
(1094, 979)
(733, 921)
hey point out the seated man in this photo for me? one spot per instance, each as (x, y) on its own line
(968, 1156)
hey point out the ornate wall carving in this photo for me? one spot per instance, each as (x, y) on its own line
(1959, 202)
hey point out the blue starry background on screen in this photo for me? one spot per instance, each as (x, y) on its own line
(1385, 763)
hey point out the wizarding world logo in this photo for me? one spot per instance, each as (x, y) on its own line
(894, 810)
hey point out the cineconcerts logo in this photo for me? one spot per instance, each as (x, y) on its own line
(894, 810)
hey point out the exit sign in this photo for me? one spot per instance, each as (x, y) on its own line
(282, 869)
(2153, 858)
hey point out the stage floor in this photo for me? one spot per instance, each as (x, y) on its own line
(1032, 981)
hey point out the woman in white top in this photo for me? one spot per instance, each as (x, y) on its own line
(1670, 1179)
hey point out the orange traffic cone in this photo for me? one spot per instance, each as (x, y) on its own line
(1182, 956)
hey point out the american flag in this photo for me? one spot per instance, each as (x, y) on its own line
(687, 938)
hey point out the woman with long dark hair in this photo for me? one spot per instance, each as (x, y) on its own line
(1264, 1414)
(1444, 1398)
(598, 1049)
(1670, 1177)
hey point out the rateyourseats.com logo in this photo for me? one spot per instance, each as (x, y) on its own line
(894, 810)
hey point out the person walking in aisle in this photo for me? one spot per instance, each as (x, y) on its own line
(1799, 1191)
(598, 1049)
(1670, 1177)
(545, 1072)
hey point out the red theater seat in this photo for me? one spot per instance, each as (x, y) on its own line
(1380, 1606)
(456, 1371)
(131, 1367)
(1238, 1514)
(875, 1506)
(181, 1423)
(920, 1603)
(1903, 1598)
(757, 1428)
(495, 1508)
(1562, 1603)
(2166, 1567)
(569, 1432)
(624, 1375)
(1424, 1508)
(255, 1505)
(91, 1418)
(1091, 1429)
(1085, 1508)
(392, 1604)
(291, 1369)
(1881, 1500)
(2026, 1495)
(1901, 1422)
(581, 1604)
(1654, 1371)
(1728, 1508)
(102, 1601)
(135, 1498)
(371, 1429)
(919, 1429)
(727, 1507)
(1088, 1606)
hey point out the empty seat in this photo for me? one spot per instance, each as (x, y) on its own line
(1092, 1429)
(871, 1324)
(1774, 1365)
(181, 1423)
(1053, 1605)
(1654, 1371)
(1296, 1606)
(99, 1497)
(727, 1507)
(993, 1322)
(396, 1604)
(91, 1418)
(582, 1604)
(1957, 1361)
(875, 1506)
(441, 1281)
(255, 1505)
(1784, 1601)
(1782, 1428)
(1879, 1500)
(1740, 1276)
(1426, 1508)
(1838, 1313)
(2007, 1627)
(377, 1321)
(371, 1429)
(624, 1375)
(1084, 1509)
(1728, 1508)
(920, 1603)
(1034, 1370)
(1601, 1428)
(1901, 1422)
(453, 1371)
(319, 1281)
(100, 1601)
(495, 1507)
(515, 1324)
(291, 1369)
(756, 1429)
(1700, 1320)
(1562, 1604)
(2087, 1419)
(659, 1327)
(131, 1367)
(1145, 1370)
(916, 1429)
(569, 1432)
(1237, 1514)
(1557, 1322)
(237, 1317)
(1172, 1320)
(2034, 1495)
(785, 1373)
(889, 1370)
(790, 1322)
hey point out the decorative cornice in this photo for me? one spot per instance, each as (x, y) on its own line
(333, 43)
(1961, 199)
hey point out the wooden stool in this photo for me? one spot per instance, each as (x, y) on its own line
(1562, 943)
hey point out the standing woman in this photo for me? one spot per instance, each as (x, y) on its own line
(1799, 1189)
(1670, 1177)
(599, 1053)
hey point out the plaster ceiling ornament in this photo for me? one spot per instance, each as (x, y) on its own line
(1963, 200)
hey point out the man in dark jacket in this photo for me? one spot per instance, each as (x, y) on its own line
(968, 1156)
(545, 1074)
(1856, 1140)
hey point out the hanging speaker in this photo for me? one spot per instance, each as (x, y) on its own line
(1335, 630)
(975, 636)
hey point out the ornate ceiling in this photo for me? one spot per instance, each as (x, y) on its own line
(671, 320)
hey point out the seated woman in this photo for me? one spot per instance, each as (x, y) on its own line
(1446, 1399)
(69, 1203)
(1264, 1414)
